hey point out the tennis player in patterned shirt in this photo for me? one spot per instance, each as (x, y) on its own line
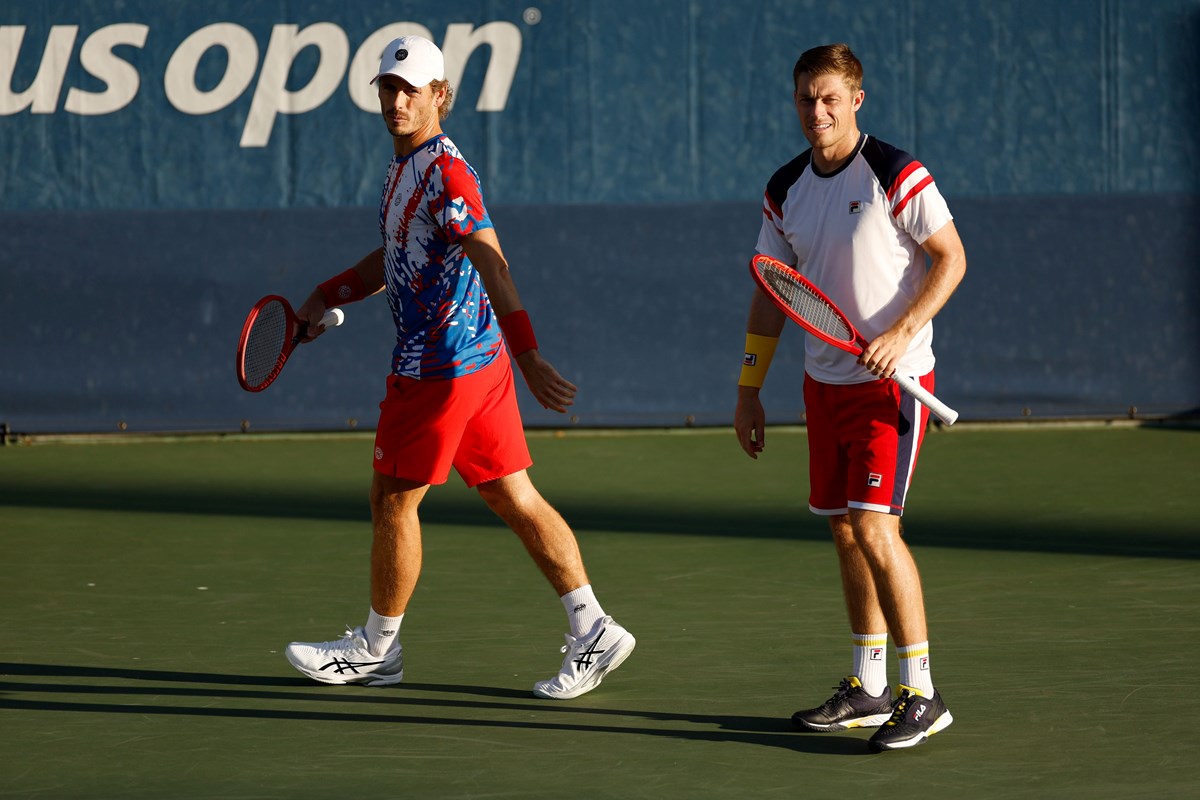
(858, 217)
(450, 399)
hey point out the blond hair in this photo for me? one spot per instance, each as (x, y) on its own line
(830, 59)
(444, 108)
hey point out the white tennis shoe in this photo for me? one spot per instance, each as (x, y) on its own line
(589, 659)
(347, 660)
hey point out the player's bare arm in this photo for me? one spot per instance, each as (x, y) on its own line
(947, 268)
(749, 418)
(549, 388)
(370, 271)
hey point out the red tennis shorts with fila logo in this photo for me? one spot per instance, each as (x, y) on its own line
(471, 423)
(863, 441)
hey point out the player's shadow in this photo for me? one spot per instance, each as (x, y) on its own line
(407, 704)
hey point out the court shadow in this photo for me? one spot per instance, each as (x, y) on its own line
(105, 690)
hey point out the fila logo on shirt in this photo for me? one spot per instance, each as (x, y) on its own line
(874, 480)
(855, 206)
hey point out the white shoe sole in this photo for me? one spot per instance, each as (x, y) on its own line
(861, 722)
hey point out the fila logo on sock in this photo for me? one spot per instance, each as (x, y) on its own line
(874, 479)
(925, 663)
(877, 654)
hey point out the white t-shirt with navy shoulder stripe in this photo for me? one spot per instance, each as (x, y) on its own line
(857, 233)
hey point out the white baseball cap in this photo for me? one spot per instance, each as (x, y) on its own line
(413, 58)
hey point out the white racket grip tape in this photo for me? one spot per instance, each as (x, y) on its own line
(936, 407)
(333, 317)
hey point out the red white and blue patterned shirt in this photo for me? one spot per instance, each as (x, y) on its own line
(445, 326)
(857, 234)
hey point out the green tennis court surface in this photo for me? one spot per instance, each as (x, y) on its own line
(147, 590)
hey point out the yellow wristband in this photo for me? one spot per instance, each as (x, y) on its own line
(759, 352)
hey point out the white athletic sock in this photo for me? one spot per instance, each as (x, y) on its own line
(381, 632)
(914, 668)
(583, 609)
(870, 661)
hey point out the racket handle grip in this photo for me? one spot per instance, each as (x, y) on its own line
(936, 407)
(333, 317)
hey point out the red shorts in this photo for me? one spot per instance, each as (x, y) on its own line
(471, 423)
(863, 440)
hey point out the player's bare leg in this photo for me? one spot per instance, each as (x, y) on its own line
(919, 710)
(396, 546)
(858, 584)
(543, 531)
(897, 583)
(597, 644)
(371, 654)
(864, 699)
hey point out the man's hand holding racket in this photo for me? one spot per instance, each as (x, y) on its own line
(312, 313)
(881, 355)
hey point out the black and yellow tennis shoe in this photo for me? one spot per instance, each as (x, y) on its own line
(850, 707)
(914, 720)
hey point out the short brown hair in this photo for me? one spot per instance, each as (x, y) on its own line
(444, 108)
(830, 59)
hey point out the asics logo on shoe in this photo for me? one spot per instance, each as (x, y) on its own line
(341, 666)
(584, 659)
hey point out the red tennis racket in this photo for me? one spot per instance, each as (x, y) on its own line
(808, 306)
(270, 334)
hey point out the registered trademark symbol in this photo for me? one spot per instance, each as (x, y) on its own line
(532, 15)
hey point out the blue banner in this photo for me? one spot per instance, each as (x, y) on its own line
(268, 105)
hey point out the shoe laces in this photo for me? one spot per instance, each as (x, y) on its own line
(346, 641)
(901, 706)
(572, 642)
(841, 692)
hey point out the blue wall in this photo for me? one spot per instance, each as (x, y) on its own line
(624, 148)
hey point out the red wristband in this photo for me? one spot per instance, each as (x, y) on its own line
(345, 288)
(518, 332)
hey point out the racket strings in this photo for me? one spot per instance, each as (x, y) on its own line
(812, 308)
(265, 342)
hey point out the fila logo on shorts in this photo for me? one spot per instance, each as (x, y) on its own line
(874, 480)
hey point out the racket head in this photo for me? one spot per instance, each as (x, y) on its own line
(804, 303)
(269, 335)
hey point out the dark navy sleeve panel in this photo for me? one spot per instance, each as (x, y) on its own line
(889, 164)
(785, 177)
